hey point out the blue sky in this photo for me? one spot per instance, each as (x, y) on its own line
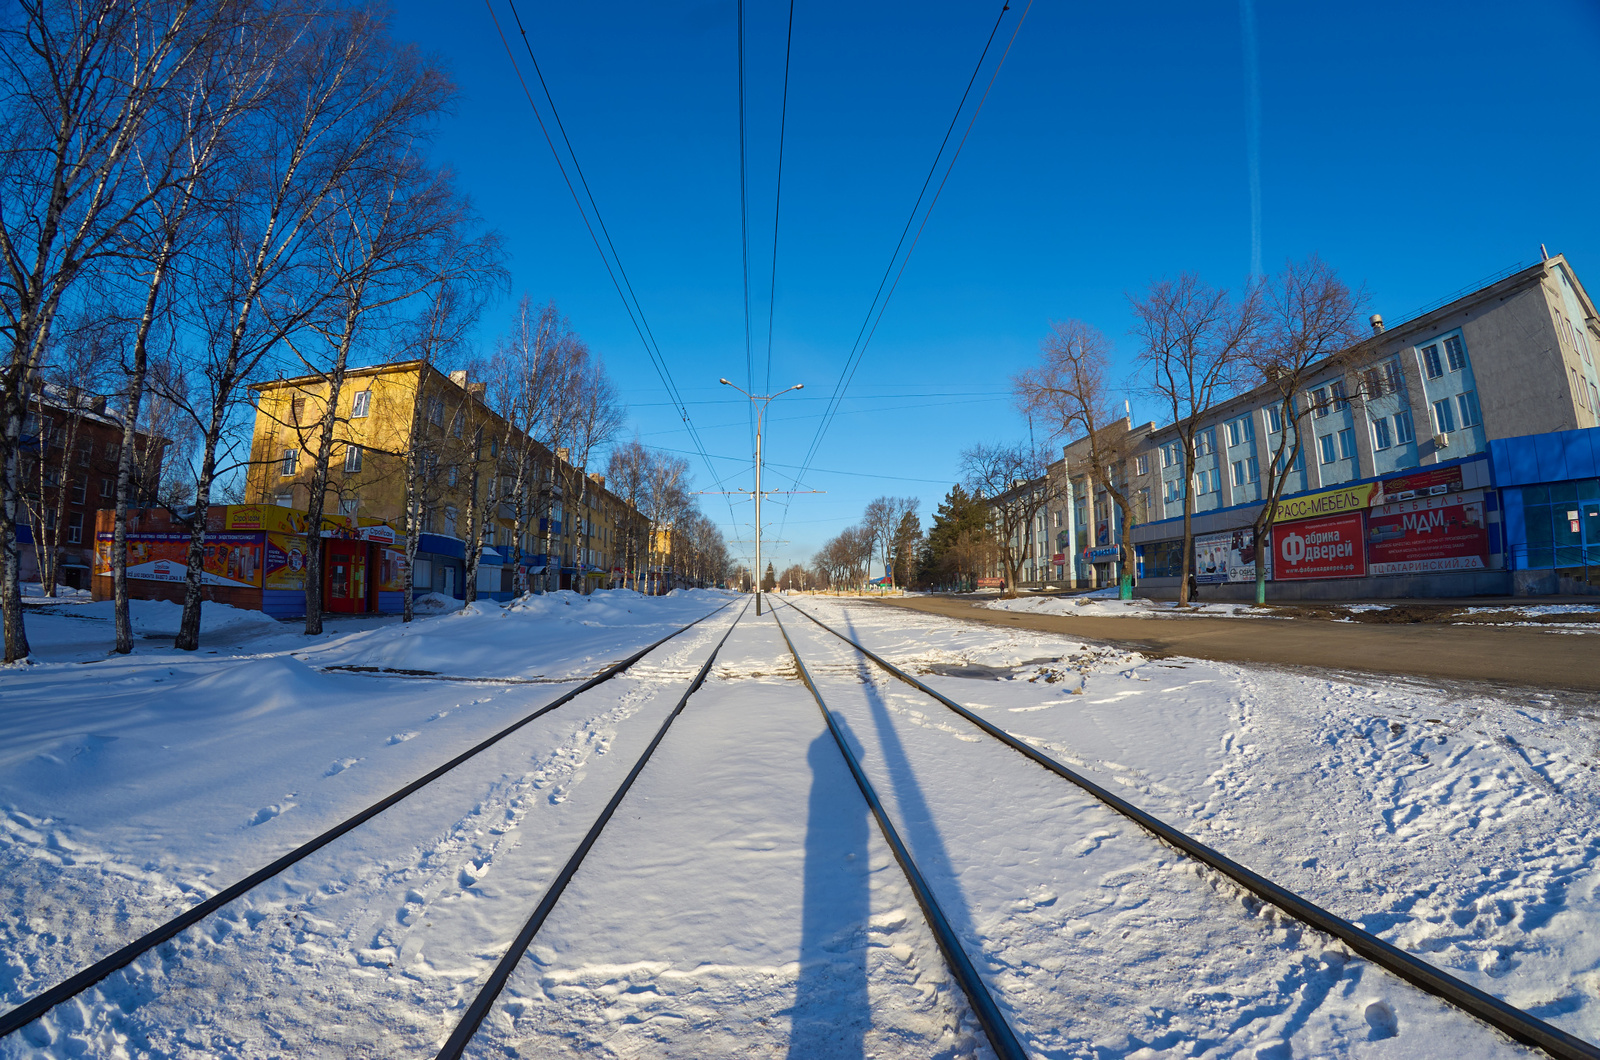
(1418, 148)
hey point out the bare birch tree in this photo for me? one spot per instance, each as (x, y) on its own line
(1070, 388)
(1308, 315)
(1013, 482)
(1193, 340)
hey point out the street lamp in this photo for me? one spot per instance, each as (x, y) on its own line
(761, 400)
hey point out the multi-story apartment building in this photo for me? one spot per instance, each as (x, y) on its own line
(1397, 433)
(572, 527)
(71, 444)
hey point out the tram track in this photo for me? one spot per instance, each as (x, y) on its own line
(1517, 1023)
(31, 1009)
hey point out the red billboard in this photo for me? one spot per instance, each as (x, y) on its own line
(1320, 548)
(1429, 482)
(1429, 534)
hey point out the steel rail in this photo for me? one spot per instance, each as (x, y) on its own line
(457, 1043)
(1001, 1037)
(36, 1006)
(1519, 1024)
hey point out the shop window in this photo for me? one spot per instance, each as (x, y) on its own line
(1444, 417)
(1164, 559)
(1403, 430)
(422, 574)
(1455, 353)
(1467, 405)
(1430, 362)
(361, 404)
(1382, 436)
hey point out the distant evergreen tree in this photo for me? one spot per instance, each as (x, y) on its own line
(769, 580)
(957, 544)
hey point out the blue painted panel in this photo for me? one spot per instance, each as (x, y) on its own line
(283, 603)
(1583, 455)
(1524, 462)
(1516, 528)
(440, 545)
(391, 603)
(1551, 453)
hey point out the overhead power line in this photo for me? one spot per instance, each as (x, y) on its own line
(777, 197)
(885, 291)
(613, 263)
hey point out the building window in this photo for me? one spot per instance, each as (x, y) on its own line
(1208, 481)
(1403, 431)
(450, 476)
(291, 460)
(1430, 362)
(1347, 444)
(436, 411)
(488, 535)
(1444, 417)
(1274, 420)
(1241, 430)
(85, 453)
(1319, 402)
(1141, 464)
(1247, 470)
(458, 423)
(1455, 353)
(1174, 492)
(284, 500)
(1467, 405)
(1206, 442)
(74, 528)
(1325, 442)
(1382, 437)
(108, 487)
(113, 450)
(349, 506)
(361, 404)
(1583, 344)
(352, 458)
(1340, 398)
(80, 490)
(297, 411)
(1594, 397)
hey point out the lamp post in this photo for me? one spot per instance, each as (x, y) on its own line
(761, 400)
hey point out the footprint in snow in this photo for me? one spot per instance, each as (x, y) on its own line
(267, 813)
(402, 737)
(1382, 1021)
(340, 766)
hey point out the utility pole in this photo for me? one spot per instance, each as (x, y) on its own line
(761, 400)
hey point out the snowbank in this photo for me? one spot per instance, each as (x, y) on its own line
(1105, 603)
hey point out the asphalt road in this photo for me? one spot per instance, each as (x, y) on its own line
(1524, 656)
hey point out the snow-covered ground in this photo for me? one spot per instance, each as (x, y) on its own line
(1105, 603)
(741, 903)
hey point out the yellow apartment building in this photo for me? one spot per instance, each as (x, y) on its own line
(389, 411)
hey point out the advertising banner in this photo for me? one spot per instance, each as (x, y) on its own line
(230, 559)
(1440, 533)
(269, 517)
(1428, 483)
(1329, 502)
(1105, 554)
(1227, 557)
(391, 571)
(1320, 548)
(286, 561)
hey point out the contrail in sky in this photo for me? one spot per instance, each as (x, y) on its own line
(1252, 74)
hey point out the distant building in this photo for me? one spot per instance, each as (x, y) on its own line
(70, 447)
(1394, 493)
(574, 528)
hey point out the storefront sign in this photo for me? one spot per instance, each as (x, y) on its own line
(1105, 554)
(1320, 548)
(228, 559)
(1329, 502)
(286, 562)
(1430, 483)
(1440, 533)
(1058, 558)
(382, 533)
(1229, 557)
